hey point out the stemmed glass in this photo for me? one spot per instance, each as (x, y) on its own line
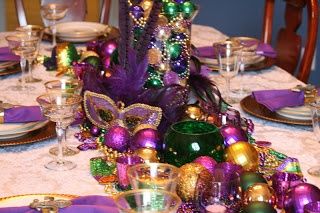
(25, 47)
(228, 54)
(60, 108)
(315, 114)
(72, 86)
(53, 12)
(37, 32)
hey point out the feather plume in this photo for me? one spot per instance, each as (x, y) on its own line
(125, 35)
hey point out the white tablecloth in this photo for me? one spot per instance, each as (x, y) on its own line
(22, 170)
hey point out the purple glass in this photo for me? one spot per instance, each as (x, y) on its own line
(312, 207)
(281, 182)
(123, 163)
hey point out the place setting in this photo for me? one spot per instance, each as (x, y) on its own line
(9, 62)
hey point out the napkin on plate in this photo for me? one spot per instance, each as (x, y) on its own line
(262, 49)
(7, 55)
(277, 99)
(22, 114)
(92, 203)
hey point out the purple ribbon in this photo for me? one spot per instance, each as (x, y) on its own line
(93, 203)
(23, 114)
(7, 55)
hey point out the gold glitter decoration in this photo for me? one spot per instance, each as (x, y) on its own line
(154, 56)
(164, 67)
(149, 155)
(244, 154)
(259, 192)
(87, 54)
(146, 6)
(269, 163)
(188, 180)
(194, 112)
(111, 190)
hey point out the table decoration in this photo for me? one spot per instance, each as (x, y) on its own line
(247, 179)
(208, 162)
(259, 207)
(312, 207)
(259, 192)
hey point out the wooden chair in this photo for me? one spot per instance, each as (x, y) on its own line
(289, 43)
(76, 12)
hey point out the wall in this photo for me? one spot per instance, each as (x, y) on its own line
(244, 18)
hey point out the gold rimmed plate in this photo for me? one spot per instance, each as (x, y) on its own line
(26, 199)
(251, 106)
(46, 132)
(9, 68)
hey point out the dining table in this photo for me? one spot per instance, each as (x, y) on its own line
(22, 168)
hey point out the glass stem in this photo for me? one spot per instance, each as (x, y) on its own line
(30, 63)
(241, 78)
(23, 63)
(228, 89)
(61, 131)
(54, 32)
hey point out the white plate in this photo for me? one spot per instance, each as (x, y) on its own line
(25, 200)
(14, 129)
(298, 113)
(79, 31)
(249, 60)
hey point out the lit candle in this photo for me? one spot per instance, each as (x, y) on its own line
(216, 208)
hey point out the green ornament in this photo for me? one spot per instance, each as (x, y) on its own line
(188, 9)
(259, 207)
(151, 70)
(187, 140)
(154, 83)
(93, 60)
(115, 57)
(170, 9)
(175, 50)
(247, 179)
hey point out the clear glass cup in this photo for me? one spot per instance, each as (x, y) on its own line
(73, 86)
(147, 200)
(60, 108)
(54, 12)
(37, 32)
(25, 47)
(153, 176)
(228, 54)
(315, 114)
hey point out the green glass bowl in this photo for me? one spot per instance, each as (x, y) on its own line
(187, 140)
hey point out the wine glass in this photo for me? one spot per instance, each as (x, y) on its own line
(72, 86)
(37, 32)
(54, 12)
(315, 114)
(25, 47)
(228, 54)
(60, 108)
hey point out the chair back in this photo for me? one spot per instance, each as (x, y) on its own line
(289, 44)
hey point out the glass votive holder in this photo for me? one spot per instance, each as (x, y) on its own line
(147, 200)
(313, 207)
(282, 182)
(123, 163)
(153, 176)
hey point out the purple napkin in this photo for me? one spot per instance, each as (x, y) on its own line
(23, 114)
(277, 99)
(85, 204)
(7, 55)
(262, 49)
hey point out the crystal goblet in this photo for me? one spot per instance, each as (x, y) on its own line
(315, 114)
(25, 47)
(146, 200)
(37, 32)
(60, 108)
(54, 12)
(73, 86)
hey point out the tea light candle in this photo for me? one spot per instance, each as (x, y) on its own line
(216, 208)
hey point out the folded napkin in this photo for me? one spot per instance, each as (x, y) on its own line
(85, 204)
(7, 55)
(277, 99)
(262, 49)
(22, 114)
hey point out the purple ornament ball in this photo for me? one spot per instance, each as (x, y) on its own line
(206, 161)
(137, 11)
(179, 1)
(146, 138)
(179, 66)
(232, 134)
(95, 131)
(300, 195)
(106, 61)
(107, 48)
(117, 138)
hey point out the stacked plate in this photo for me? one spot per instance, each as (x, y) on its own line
(8, 67)
(297, 113)
(14, 130)
(80, 31)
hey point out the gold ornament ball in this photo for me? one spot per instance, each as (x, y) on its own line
(243, 154)
(190, 177)
(194, 112)
(149, 155)
(259, 192)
